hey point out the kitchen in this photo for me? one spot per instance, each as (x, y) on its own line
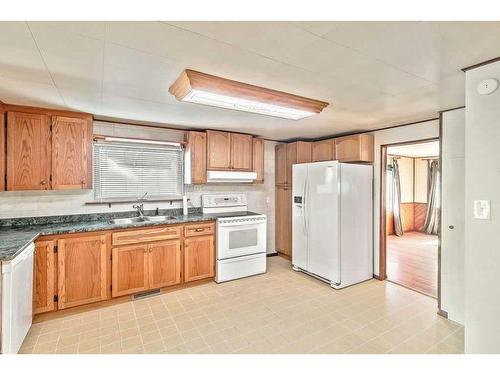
(201, 203)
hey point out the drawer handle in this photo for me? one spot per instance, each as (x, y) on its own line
(199, 229)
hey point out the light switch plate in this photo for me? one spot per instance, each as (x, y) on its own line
(482, 209)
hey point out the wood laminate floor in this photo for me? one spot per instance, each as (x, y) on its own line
(412, 261)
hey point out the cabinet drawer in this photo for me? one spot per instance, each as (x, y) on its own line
(198, 229)
(145, 235)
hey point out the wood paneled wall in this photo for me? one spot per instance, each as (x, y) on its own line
(412, 217)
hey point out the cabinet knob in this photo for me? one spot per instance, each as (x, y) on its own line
(43, 182)
(83, 182)
(451, 227)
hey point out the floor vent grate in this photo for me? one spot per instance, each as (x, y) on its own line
(147, 294)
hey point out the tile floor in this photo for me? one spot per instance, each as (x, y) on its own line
(279, 312)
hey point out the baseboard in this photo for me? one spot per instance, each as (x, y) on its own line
(271, 254)
(443, 313)
(377, 277)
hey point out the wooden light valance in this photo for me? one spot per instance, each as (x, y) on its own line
(191, 80)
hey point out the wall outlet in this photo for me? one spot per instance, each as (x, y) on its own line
(482, 209)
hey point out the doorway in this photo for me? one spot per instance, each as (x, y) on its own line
(411, 211)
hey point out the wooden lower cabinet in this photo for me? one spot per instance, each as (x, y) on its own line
(164, 263)
(199, 258)
(77, 269)
(283, 220)
(45, 277)
(129, 269)
(82, 270)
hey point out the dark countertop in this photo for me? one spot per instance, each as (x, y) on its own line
(14, 238)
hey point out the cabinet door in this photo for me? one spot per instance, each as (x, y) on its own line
(283, 220)
(71, 153)
(354, 148)
(199, 258)
(164, 263)
(45, 269)
(197, 154)
(258, 159)
(28, 151)
(82, 270)
(297, 152)
(323, 150)
(2, 148)
(218, 150)
(281, 164)
(130, 269)
(241, 152)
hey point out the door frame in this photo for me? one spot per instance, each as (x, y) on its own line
(383, 217)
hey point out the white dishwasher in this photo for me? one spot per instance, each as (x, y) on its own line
(17, 300)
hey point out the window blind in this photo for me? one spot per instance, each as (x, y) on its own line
(129, 170)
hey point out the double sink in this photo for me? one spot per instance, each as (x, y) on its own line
(140, 219)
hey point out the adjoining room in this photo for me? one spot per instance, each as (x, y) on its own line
(412, 216)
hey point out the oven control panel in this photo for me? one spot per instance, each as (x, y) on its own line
(242, 220)
(224, 200)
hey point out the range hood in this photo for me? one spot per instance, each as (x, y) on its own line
(231, 176)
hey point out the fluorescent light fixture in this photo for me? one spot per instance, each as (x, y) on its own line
(201, 88)
(240, 104)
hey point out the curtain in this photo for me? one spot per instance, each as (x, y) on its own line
(396, 199)
(431, 225)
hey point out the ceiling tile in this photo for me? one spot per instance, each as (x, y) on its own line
(67, 45)
(20, 57)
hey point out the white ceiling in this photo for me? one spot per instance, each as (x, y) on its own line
(415, 150)
(374, 74)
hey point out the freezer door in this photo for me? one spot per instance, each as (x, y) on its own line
(322, 209)
(356, 223)
(299, 224)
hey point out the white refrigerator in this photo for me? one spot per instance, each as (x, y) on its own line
(332, 222)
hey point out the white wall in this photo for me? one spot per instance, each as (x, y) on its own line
(482, 244)
(452, 214)
(48, 203)
(423, 130)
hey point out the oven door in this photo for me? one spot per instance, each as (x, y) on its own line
(236, 239)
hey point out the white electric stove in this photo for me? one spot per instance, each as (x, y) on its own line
(241, 236)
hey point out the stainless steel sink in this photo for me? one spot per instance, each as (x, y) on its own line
(158, 218)
(131, 220)
(127, 220)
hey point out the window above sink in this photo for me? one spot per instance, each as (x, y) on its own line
(127, 170)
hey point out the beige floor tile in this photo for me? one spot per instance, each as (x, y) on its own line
(279, 312)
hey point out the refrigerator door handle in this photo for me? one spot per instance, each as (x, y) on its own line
(306, 202)
(304, 207)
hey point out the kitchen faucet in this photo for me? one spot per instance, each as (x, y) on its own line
(139, 208)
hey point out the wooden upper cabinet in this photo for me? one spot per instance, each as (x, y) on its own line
(130, 269)
(323, 150)
(241, 152)
(45, 277)
(199, 258)
(71, 153)
(258, 159)
(354, 148)
(82, 270)
(281, 164)
(164, 263)
(196, 154)
(28, 151)
(2, 147)
(297, 153)
(218, 150)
